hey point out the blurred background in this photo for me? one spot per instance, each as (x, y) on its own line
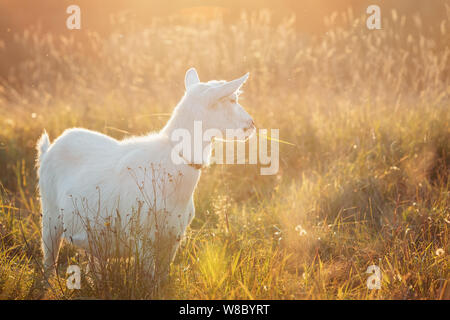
(363, 179)
(16, 16)
(19, 14)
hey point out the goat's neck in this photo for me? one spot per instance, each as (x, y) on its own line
(177, 121)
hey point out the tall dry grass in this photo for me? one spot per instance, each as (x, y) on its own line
(365, 181)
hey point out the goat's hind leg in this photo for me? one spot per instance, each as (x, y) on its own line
(52, 229)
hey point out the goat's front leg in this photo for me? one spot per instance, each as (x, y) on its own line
(163, 255)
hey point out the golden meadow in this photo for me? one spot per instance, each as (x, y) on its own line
(363, 181)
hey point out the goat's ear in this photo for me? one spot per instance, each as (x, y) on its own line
(230, 87)
(191, 78)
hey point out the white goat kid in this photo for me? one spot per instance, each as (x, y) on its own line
(105, 176)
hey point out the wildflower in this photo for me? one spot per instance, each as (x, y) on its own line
(440, 252)
(300, 230)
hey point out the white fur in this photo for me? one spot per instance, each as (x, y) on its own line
(88, 174)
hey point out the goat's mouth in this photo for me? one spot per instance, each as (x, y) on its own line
(250, 129)
(242, 134)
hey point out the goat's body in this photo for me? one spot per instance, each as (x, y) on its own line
(87, 177)
(89, 181)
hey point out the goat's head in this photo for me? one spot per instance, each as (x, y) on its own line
(215, 104)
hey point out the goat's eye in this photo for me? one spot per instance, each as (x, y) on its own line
(233, 100)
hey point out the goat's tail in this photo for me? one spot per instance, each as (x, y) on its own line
(42, 147)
